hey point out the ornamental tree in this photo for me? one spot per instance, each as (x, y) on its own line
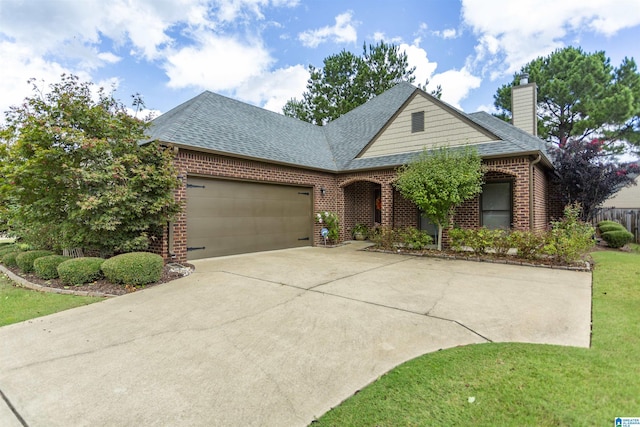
(585, 174)
(75, 176)
(439, 180)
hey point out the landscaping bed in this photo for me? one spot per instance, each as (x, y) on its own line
(546, 262)
(170, 272)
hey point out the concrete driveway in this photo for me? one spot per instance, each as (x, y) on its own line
(272, 339)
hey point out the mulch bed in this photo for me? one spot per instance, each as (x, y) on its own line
(102, 286)
(584, 265)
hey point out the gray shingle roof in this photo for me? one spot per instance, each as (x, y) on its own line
(212, 122)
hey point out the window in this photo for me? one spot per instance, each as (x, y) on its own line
(425, 224)
(496, 205)
(417, 122)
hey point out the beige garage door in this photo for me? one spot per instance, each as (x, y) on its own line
(234, 217)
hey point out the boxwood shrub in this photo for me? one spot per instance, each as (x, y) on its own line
(6, 249)
(77, 271)
(617, 238)
(9, 259)
(610, 227)
(25, 259)
(135, 268)
(47, 266)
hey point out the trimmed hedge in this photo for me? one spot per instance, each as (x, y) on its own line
(607, 222)
(611, 227)
(617, 238)
(9, 259)
(25, 259)
(6, 249)
(135, 268)
(47, 266)
(78, 271)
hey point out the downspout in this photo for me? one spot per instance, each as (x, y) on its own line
(531, 206)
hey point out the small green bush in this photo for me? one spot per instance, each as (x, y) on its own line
(570, 238)
(2, 244)
(9, 259)
(457, 237)
(6, 249)
(617, 238)
(25, 259)
(528, 244)
(77, 271)
(135, 268)
(414, 238)
(500, 241)
(385, 238)
(479, 240)
(610, 227)
(47, 266)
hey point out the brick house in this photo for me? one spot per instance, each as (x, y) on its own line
(252, 180)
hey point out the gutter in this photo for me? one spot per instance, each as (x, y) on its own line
(532, 212)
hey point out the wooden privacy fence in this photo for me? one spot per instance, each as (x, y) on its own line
(627, 217)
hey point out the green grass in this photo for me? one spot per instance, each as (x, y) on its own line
(18, 304)
(521, 384)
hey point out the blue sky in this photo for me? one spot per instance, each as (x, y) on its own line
(258, 51)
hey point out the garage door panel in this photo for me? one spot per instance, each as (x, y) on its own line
(231, 217)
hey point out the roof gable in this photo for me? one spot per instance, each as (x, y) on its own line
(442, 126)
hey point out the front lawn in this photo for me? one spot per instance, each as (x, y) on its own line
(18, 304)
(521, 384)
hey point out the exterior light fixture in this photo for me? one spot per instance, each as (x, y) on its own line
(322, 191)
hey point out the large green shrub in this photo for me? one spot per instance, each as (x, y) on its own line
(414, 238)
(135, 268)
(25, 259)
(77, 271)
(617, 238)
(47, 266)
(9, 259)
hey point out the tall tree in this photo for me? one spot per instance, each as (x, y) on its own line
(582, 96)
(585, 174)
(74, 174)
(437, 181)
(346, 81)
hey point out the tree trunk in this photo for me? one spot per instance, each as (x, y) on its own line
(439, 237)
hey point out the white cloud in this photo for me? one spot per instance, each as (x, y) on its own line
(272, 90)
(449, 33)
(517, 32)
(417, 57)
(344, 31)
(218, 63)
(456, 85)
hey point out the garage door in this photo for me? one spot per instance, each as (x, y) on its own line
(234, 217)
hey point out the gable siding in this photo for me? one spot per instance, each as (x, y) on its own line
(441, 128)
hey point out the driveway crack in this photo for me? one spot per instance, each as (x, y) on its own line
(13, 409)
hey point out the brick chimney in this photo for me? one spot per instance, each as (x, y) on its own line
(524, 99)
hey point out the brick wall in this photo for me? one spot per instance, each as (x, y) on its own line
(351, 195)
(540, 198)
